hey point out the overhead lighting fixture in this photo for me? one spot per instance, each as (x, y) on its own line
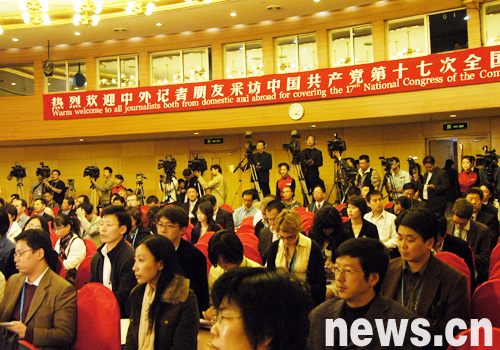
(87, 13)
(15, 39)
(233, 14)
(1, 30)
(77, 33)
(35, 11)
(159, 24)
(135, 7)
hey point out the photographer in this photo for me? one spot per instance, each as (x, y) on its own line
(191, 180)
(313, 160)
(494, 180)
(263, 163)
(105, 189)
(217, 185)
(398, 177)
(56, 187)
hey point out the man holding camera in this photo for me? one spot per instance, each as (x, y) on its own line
(107, 187)
(263, 163)
(398, 177)
(57, 187)
(313, 159)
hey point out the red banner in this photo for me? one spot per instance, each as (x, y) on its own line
(473, 66)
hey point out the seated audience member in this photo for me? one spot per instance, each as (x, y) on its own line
(268, 234)
(285, 181)
(225, 251)
(457, 246)
(133, 201)
(475, 197)
(472, 232)
(68, 207)
(13, 197)
(89, 223)
(421, 282)
(328, 231)
(150, 214)
(206, 223)
(152, 201)
(467, 178)
(137, 231)
(172, 222)
(14, 228)
(49, 199)
(221, 216)
(37, 222)
(112, 264)
(365, 189)
(260, 309)
(401, 204)
(260, 221)
(256, 198)
(351, 192)
(181, 191)
(163, 310)
(382, 219)
(21, 217)
(116, 199)
(410, 191)
(319, 200)
(360, 267)
(118, 184)
(289, 201)
(297, 254)
(40, 304)
(81, 199)
(357, 226)
(7, 247)
(39, 206)
(489, 203)
(247, 209)
(191, 205)
(69, 246)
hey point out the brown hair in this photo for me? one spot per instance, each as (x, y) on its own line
(288, 221)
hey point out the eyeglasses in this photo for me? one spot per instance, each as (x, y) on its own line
(219, 318)
(289, 238)
(20, 253)
(34, 227)
(166, 226)
(346, 271)
(106, 224)
(58, 228)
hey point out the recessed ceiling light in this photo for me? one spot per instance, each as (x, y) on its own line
(15, 39)
(313, 126)
(159, 24)
(196, 133)
(453, 116)
(81, 140)
(13, 84)
(77, 33)
(316, 0)
(274, 7)
(233, 14)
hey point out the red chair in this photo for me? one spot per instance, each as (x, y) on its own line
(206, 237)
(203, 247)
(467, 346)
(53, 236)
(227, 207)
(246, 229)
(249, 238)
(90, 247)
(495, 272)
(28, 345)
(494, 257)
(388, 205)
(252, 253)
(187, 234)
(300, 210)
(340, 206)
(55, 210)
(307, 224)
(98, 325)
(83, 273)
(458, 263)
(344, 218)
(248, 220)
(486, 301)
(60, 270)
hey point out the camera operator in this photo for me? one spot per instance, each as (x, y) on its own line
(217, 185)
(398, 177)
(490, 173)
(105, 189)
(263, 163)
(191, 180)
(366, 175)
(36, 190)
(56, 186)
(313, 158)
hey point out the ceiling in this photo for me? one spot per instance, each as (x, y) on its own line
(176, 16)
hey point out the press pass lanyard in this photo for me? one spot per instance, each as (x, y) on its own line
(135, 236)
(22, 303)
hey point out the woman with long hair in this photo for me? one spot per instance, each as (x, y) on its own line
(163, 310)
(69, 246)
(205, 223)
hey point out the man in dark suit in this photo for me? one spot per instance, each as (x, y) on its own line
(221, 216)
(312, 160)
(172, 223)
(474, 233)
(409, 190)
(48, 318)
(263, 163)
(191, 205)
(421, 282)
(436, 185)
(360, 268)
(39, 206)
(267, 234)
(475, 197)
(319, 195)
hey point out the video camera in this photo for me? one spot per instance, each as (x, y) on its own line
(18, 171)
(168, 165)
(92, 171)
(249, 146)
(336, 145)
(387, 163)
(489, 161)
(139, 178)
(198, 164)
(43, 171)
(411, 165)
(294, 147)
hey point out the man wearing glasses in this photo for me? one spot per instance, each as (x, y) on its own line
(172, 222)
(39, 305)
(360, 268)
(112, 263)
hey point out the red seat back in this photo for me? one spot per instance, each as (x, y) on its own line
(486, 302)
(187, 234)
(227, 207)
(245, 229)
(344, 218)
(458, 263)
(495, 256)
(28, 345)
(247, 221)
(203, 247)
(388, 205)
(340, 206)
(98, 319)
(206, 237)
(55, 210)
(495, 272)
(90, 247)
(467, 333)
(300, 210)
(249, 238)
(252, 253)
(60, 270)
(83, 273)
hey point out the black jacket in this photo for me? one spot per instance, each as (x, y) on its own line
(225, 219)
(437, 197)
(311, 171)
(368, 230)
(266, 162)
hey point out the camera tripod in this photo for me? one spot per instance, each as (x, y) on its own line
(342, 182)
(94, 198)
(20, 187)
(253, 177)
(139, 190)
(71, 188)
(167, 187)
(389, 180)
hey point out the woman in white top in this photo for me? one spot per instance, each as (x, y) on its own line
(69, 246)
